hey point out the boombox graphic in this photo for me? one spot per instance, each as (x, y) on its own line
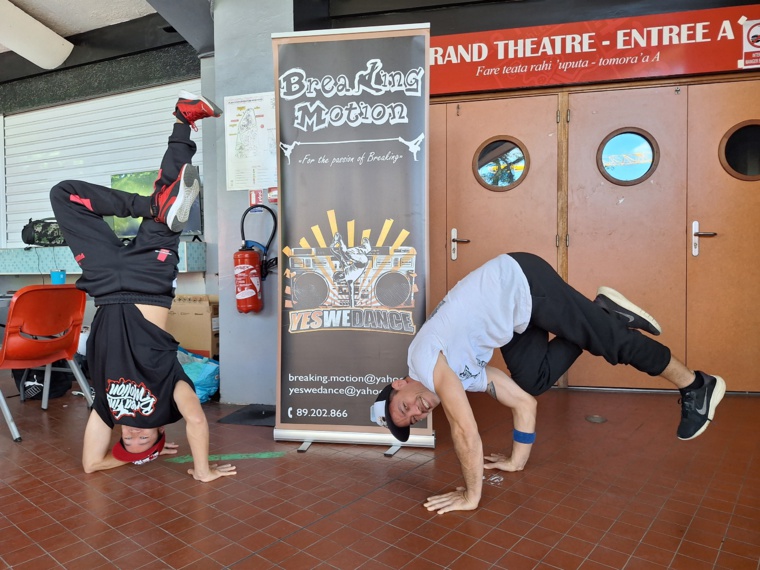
(362, 276)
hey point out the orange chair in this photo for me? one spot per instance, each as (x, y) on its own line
(43, 325)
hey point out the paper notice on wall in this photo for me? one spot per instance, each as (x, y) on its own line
(250, 141)
(751, 44)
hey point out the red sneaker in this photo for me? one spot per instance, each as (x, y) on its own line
(172, 204)
(191, 108)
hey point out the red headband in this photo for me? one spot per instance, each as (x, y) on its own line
(121, 453)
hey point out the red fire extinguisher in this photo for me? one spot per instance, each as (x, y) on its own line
(251, 266)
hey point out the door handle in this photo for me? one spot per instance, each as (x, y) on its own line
(454, 244)
(695, 235)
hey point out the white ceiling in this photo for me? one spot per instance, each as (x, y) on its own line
(68, 17)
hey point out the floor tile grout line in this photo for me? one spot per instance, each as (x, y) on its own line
(731, 517)
(630, 556)
(331, 513)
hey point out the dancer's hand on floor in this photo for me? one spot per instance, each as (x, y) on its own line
(169, 449)
(214, 472)
(502, 462)
(455, 501)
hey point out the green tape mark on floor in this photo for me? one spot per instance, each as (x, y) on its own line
(230, 456)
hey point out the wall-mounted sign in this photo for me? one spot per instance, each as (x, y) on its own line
(250, 146)
(661, 45)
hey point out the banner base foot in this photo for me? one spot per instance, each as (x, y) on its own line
(304, 447)
(392, 451)
(307, 437)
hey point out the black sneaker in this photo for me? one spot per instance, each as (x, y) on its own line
(172, 205)
(635, 317)
(32, 388)
(698, 406)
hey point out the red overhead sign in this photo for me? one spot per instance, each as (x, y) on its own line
(661, 45)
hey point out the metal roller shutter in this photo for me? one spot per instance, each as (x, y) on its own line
(90, 141)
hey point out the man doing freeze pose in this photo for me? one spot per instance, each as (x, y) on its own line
(512, 303)
(139, 383)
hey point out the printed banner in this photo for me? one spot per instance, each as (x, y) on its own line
(659, 45)
(352, 112)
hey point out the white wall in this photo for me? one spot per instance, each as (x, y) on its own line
(242, 63)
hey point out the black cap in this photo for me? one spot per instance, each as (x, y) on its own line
(380, 413)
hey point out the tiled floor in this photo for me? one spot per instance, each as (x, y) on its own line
(620, 494)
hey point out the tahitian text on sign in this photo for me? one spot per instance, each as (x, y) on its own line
(313, 114)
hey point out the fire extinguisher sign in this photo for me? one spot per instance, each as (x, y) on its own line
(352, 111)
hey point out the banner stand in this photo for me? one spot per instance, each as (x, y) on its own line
(352, 144)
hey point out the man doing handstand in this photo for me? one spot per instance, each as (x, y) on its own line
(139, 383)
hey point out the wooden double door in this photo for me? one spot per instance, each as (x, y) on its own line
(635, 238)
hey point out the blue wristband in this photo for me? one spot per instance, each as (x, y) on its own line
(523, 437)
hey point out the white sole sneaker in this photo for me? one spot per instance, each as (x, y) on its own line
(190, 187)
(193, 97)
(717, 395)
(617, 298)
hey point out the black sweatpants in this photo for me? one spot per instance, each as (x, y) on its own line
(147, 265)
(536, 363)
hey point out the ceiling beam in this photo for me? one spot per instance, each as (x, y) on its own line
(193, 19)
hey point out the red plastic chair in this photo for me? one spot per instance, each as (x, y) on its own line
(43, 325)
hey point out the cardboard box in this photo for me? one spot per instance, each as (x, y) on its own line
(194, 322)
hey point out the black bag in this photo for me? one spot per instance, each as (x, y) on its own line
(45, 232)
(60, 382)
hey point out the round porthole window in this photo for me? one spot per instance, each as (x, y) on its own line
(739, 151)
(628, 156)
(500, 163)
